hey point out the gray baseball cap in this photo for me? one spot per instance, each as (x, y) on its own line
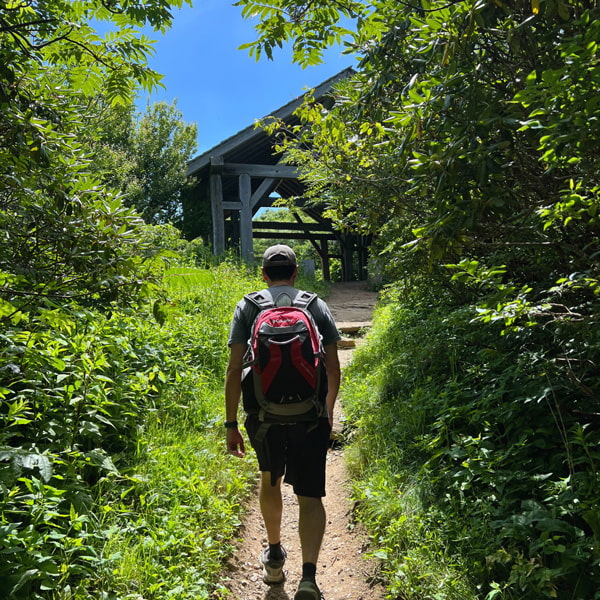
(278, 256)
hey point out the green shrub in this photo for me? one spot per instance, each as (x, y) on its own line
(75, 387)
(111, 448)
(487, 444)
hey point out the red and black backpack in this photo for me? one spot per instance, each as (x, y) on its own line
(285, 358)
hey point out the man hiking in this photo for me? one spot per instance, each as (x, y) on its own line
(287, 423)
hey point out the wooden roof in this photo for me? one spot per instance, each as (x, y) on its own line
(252, 145)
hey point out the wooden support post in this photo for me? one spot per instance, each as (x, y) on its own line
(218, 218)
(325, 259)
(247, 244)
(347, 251)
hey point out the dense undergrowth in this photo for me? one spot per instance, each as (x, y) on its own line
(114, 482)
(475, 454)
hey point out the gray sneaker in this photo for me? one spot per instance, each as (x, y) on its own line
(272, 569)
(308, 590)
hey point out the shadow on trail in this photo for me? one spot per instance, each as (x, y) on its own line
(276, 593)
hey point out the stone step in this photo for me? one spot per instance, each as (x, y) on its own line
(354, 327)
(346, 343)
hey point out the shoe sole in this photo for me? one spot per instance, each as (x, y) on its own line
(306, 595)
(271, 579)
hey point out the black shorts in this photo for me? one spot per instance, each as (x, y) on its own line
(297, 451)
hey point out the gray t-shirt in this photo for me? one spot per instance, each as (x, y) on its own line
(283, 295)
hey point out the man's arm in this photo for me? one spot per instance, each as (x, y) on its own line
(233, 391)
(332, 367)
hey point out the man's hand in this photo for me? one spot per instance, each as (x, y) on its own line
(235, 443)
(334, 374)
(233, 391)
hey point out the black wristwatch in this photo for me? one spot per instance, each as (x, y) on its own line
(231, 424)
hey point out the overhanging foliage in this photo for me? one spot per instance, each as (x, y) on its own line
(466, 144)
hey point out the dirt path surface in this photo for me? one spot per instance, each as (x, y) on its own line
(342, 573)
(351, 304)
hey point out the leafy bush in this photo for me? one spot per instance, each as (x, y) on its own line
(75, 387)
(480, 450)
(111, 451)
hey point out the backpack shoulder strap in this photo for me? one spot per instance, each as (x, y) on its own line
(303, 299)
(262, 301)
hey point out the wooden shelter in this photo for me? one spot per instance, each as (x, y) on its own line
(243, 174)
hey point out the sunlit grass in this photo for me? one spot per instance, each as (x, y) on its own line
(187, 278)
(171, 523)
(188, 501)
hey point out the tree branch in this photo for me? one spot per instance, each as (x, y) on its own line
(8, 28)
(428, 10)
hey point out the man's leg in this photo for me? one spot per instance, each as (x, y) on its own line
(271, 506)
(311, 527)
(273, 557)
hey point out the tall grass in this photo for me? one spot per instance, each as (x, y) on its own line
(187, 500)
(184, 502)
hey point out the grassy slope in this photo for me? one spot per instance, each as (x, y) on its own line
(472, 478)
(171, 525)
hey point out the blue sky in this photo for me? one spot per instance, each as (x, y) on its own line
(220, 88)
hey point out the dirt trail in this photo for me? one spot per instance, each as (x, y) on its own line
(343, 572)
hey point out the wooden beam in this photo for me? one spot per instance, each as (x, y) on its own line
(287, 226)
(293, 235)
(265, 188)
(247, 245)
(325, 257)
(216, 164)
(271, 171)
(314, 244)
(300, 203)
